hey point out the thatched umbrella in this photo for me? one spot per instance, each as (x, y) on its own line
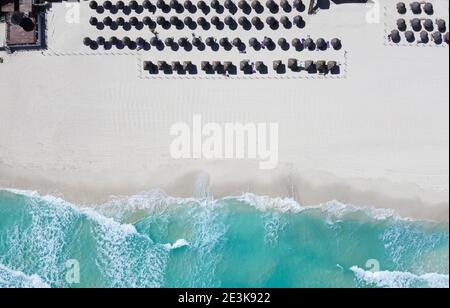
(237, 42)
(147, 65)
(134, 5)
(428, 8)
(245, 23)
(253, 42)
(269, 43)
(140, 42)
(206, 66)
(442, 25)
(120, 21)
(395, 36)
(401, 24)
(177, 66)
(336, 44)
(424, 37)
(183, 41)
(169, 42)
(299, 6)
(229, 5)
(197, 42)
(282, 42)
(410, 37)
(416, 24)
(310, 66)
(416, 8)
(202, 6)
(228, 66)
(297, 43)
(224, 42)
(293, 64)
(321, 44)
(203, 23)
(217, 66)
(107, 21)
(272, 22)
(272, 6)
(437, 37)
(161, 4)
(261, 67)
(93, 21)
(174, 20)
(147, 20)
(174, 4)
(126, 41)
(162, 65)
(154, 41)
(332, 66)
(120, 5)
(299, 21)
(257, 7)
(309, 43)
(257, 22)
(161, 20)
(229, 20)
(215, 4)
(245, 66)
(284, 20)
(286, 6)
(428, 25)
(321, 66)
(277, 65)
(113, 40)
(107, 5)
(134, 21)
(210, 41)
(401, 8)
(93, 5)
(188, 21)
(215, 20)
(245, 7)
(189, 6)
(147, 5)
(187, 66)
(87, 41)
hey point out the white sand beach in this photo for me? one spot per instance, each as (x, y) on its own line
(86, 125)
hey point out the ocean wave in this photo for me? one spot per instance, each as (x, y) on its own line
(119, 246)
(178, 244)
(15, 279)
(396, 279)
(157, 201)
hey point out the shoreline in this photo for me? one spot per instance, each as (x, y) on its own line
(308, 188)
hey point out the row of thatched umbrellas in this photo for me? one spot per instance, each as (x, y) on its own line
(416, 8)
(192, 24)
(225, 43)
(410, 37)
(418, 25)
(178, 6)
(245, 66)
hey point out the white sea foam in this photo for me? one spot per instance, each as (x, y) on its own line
(395, 279)
(178, 244)
(15, 279)
(334, 209)
(157, 200)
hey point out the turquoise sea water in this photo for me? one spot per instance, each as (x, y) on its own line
(151, 240)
